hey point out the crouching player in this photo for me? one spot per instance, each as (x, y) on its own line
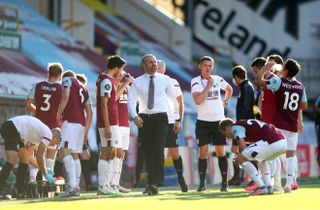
(21, 135)
(266, 143)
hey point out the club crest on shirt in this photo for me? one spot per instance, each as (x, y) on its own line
(107, 87)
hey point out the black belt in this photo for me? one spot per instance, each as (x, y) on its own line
(161, 114)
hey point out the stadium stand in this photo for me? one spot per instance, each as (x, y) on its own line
(108, 27)
(44, 42)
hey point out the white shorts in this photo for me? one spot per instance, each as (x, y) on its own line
(262, 150)
(72, 136)
(292, 139)
(124, 138)
(114, 136)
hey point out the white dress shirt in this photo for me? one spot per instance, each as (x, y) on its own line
(171, 115)
(139, 92)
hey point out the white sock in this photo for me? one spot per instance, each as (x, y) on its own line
(50, 163)
(291, 162)
(33, 171)
(109, 171)
(272, 165)
(78, 171)
(70, 167)
(120, 170)
(283, 160)
(265, 171)
(252, 172)
(102, 173)
(296, 174)
(277, 174)
(116, 166)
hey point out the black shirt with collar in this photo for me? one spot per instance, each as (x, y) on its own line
(246, 101)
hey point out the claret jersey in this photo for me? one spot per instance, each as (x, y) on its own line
(288, 96)
(47, 96)
(255, 130)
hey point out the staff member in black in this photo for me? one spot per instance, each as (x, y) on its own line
(151, 90)
(245, 104)
(246, 99)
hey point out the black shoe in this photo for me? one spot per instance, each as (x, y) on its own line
(202, 188)
(154, 190)
(224, 187)
(147, 189)
(234, 182)
(183, 185)
(151, 190)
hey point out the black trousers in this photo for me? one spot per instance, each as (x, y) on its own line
(153, 136)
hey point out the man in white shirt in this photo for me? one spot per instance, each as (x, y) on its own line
(151, 90)
(205, 91)
(21, 135)
(172, 142)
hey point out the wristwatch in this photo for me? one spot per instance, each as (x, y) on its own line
(178, 120)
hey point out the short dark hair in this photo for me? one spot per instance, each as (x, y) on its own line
(206, 58)
(277, 58)
(115, 61)
(239, 71)
(54, 69)
(82, 78)
(225, 123)
(259, 62)
(293, 67)
(69, 73)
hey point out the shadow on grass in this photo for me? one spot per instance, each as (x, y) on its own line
(205, 195)
(83, 196)
(166, 193)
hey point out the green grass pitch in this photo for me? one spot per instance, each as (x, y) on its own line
(307, 197)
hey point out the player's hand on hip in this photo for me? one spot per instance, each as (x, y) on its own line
(138, 121)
